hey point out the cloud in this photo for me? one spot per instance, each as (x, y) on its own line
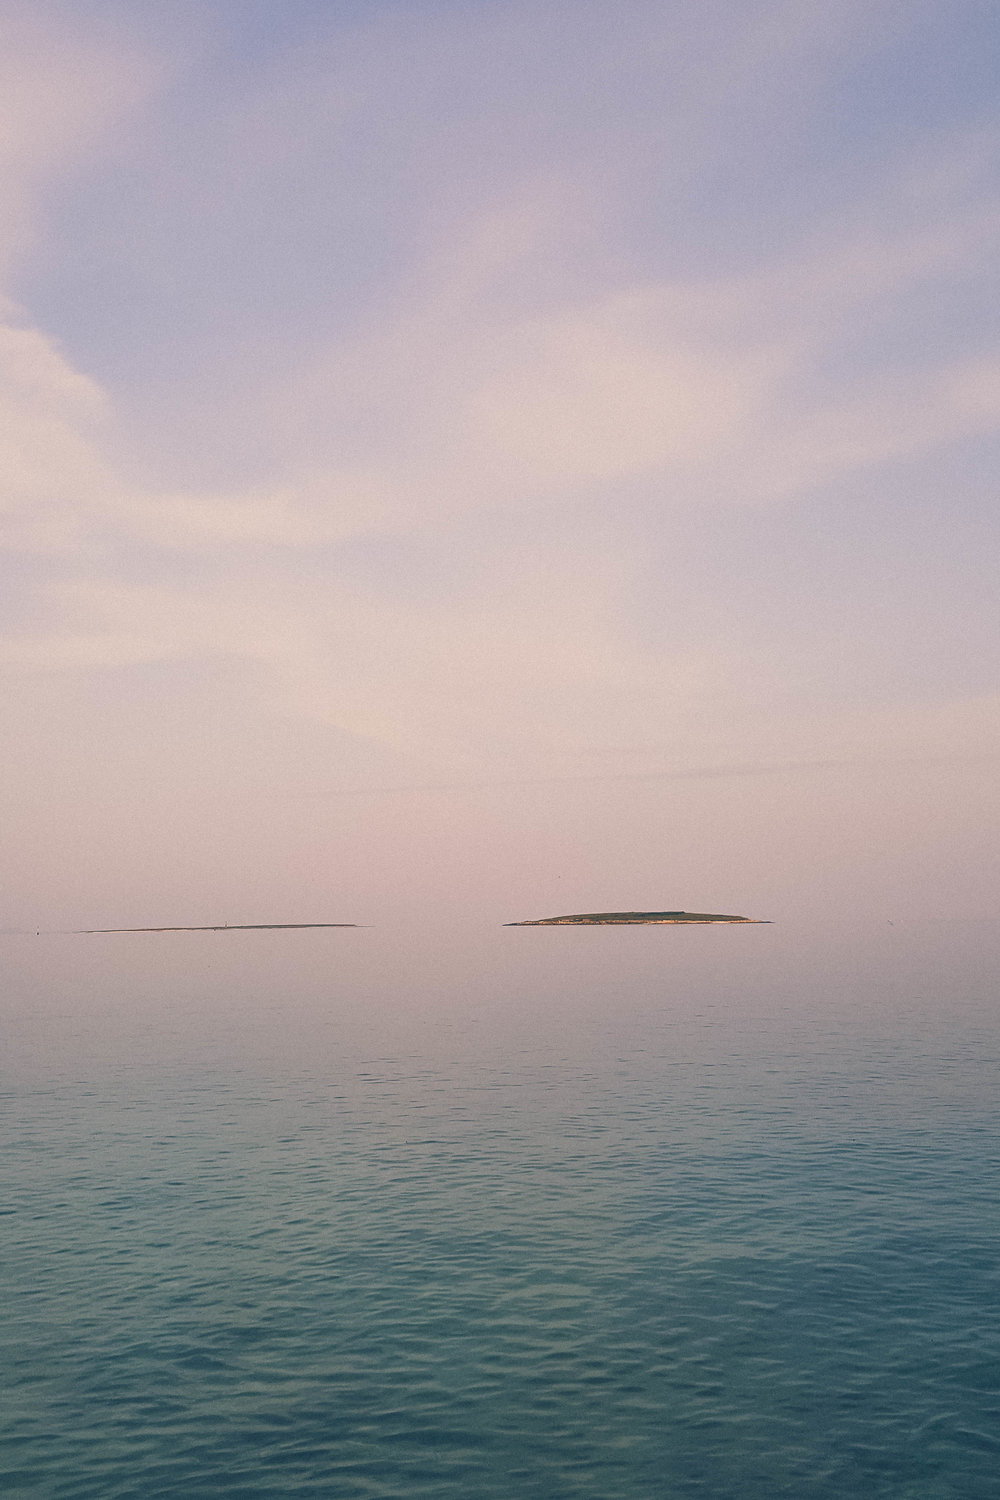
(527, 676)
(60, 90)
(700, 386)
(52, 477)
(486, 383)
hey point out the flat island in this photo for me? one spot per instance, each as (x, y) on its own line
(222, 927)
(615, 918)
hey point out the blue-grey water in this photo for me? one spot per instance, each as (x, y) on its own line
(533, 1213)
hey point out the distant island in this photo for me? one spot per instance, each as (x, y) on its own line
(616, 918)
(222, 927)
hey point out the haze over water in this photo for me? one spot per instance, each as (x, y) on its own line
(668, 1212)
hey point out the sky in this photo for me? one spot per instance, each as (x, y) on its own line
(498, 459)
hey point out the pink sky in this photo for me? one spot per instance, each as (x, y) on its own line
(503, 459)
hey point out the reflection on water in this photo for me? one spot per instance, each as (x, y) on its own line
(626, 1219)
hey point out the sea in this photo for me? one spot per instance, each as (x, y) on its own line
(455, 1210)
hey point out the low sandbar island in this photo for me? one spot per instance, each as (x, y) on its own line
(632, 918)
(219, 927)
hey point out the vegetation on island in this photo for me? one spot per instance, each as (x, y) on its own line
(613, 918)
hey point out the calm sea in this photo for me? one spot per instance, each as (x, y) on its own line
(527, 1213)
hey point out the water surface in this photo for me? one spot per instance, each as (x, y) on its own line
(653, 1213)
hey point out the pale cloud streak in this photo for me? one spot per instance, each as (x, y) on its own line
(60, 92)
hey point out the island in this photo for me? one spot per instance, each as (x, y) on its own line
(222, 927)
(618, 918)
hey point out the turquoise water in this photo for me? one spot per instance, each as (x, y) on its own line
(620, 1217)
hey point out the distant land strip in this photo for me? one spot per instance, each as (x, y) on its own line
(221, 927)
(633, 918)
